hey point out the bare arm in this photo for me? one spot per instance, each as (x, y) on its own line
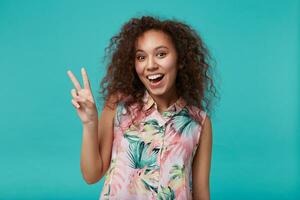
(201, 163)
(90, 160)
(97, 146)
(97, 134)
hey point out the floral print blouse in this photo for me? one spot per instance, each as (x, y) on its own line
(152, 158)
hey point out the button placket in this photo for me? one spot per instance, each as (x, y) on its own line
(163, 128)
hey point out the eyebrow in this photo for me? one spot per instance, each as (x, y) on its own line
(161, 46)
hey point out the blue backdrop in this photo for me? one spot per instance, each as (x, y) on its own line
(255, 125)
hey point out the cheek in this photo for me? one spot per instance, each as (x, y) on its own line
(139, 69)
(168, 65)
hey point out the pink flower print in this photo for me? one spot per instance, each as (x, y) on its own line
(143, 181)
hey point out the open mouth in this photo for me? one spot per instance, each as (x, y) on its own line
(155, 78)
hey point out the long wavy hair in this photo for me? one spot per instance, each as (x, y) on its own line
(194, 81)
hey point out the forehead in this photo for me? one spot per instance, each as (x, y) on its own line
(153, 38)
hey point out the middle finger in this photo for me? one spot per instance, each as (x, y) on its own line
(74, 80)
(85, 78)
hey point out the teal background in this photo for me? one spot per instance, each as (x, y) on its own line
(255, 124)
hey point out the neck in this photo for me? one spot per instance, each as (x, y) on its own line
(163, 102)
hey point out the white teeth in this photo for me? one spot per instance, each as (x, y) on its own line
(152, 77)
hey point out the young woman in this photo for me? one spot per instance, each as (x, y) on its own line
(153, 139)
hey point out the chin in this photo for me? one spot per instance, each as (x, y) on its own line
(158, 91)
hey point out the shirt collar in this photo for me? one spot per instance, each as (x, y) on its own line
(149, 103)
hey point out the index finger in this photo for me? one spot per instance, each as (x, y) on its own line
(74, 80)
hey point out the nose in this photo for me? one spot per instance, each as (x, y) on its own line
(151, 64)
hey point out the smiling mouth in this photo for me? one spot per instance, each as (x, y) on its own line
(155, 78)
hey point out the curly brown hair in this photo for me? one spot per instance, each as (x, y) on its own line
(193, 82)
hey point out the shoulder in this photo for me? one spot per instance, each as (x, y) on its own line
(207, 122)
(123, 113)
(197, 114)
(112, 106)
(206, 128)
(203, 119)
(112, 100)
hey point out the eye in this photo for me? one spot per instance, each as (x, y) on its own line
(161, 54)
(140, 57)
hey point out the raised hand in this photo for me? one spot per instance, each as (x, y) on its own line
(83, 99)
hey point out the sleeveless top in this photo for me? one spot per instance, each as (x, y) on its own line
(152, 158)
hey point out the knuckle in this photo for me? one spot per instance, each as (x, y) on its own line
(73, 102)
(73, 92)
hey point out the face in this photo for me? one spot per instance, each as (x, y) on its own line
(156, 63)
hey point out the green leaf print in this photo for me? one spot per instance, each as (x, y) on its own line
(119, 111)
(142, 153)
(131, 137)
(133, 134)
(177, 172)
(167, 114)
(177, 177)
(138, 155)
(145, 167)
(108, 192)
(153, 124)
(166, 193)
(184, 123)
(150, 187)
